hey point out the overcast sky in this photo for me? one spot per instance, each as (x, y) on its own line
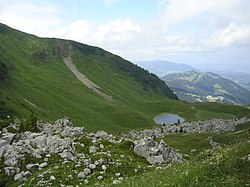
(196, 32)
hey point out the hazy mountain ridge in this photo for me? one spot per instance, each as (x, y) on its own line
(161, 67)
(240, 78)
(193, 86)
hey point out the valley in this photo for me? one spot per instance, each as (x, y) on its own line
(74, 114)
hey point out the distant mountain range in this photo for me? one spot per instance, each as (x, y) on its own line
(240, 78)
(161, 68)
(207, 87)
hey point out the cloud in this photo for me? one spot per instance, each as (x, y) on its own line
(80, 30)
(116, 32)
(29, 17)
(182, 26)
(113, 35)
(179, 11)
(205, 25)
(232, 35)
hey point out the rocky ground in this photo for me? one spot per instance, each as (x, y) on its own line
(207, 126)
(59, 153)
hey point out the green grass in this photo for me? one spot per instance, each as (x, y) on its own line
(221, 167)
(39, 82)
(186, 142)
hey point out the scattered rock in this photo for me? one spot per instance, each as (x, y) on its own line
(100, 177)
(104, 168)
(155, 159)
(92, 166)
(207, 126)
(116, 181)
(60, 138)
(81, 175)
(52, 178)
(92, 149)
(212, 142)
(86, 171)
(43, 165)
(117, 174)
(156, 153)
(102, 135)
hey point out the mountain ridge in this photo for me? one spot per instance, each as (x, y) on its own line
(162, 67)
(37, 80)
(193, 86)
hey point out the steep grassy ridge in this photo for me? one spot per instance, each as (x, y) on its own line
(39, 81)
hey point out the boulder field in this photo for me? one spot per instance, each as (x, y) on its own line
(61, 138)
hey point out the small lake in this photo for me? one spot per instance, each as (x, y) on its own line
(167, 118)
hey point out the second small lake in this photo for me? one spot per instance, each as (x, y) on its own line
(167, 118)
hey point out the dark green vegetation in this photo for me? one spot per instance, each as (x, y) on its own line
(225, 166)
(3, 71)
(192, 87)
(39, 82)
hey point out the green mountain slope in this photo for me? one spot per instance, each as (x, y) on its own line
(205, 87)
(35, 78)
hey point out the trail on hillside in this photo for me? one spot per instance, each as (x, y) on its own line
(91, 85)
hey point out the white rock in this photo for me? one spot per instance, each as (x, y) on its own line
(92, 166)
(101, 146)
(155, 159)
(104, 168)
(92, 149)
(43, 165)
(70, 177)
(67, 155)
(117, 174)
(102, 135)
(87, 171)
(52, 178)
(19, 177)
(11, 171)
(100, 177)
(116, 181)
(81, 175)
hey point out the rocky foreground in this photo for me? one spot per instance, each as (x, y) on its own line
(27, 152)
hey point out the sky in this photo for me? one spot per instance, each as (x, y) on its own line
(211, 34)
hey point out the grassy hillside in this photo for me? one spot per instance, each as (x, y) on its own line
(35, 79)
